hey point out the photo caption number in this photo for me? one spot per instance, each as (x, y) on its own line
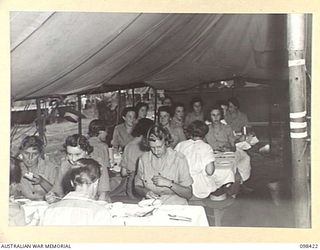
(314, 246)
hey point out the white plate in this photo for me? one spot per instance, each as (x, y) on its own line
(37, 203)
(22, 200)
(150, 203)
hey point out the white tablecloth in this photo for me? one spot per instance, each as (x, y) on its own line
(160, 216)
(126, 214)
(225, 161)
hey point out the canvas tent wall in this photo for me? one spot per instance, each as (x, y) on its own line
(57, 53)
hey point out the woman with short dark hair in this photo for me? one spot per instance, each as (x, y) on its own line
(176, 132)
(167, 101)
(97, 139)
(178, 111)
(162, 172)
(122, 132)
(16, 212)
(221, 138)
(224, 105)
(206, 177)
(78, 206)
(37, 170)
(196, 113)
(96, 127)
(234, 117)
(142, 110)
(132, 151)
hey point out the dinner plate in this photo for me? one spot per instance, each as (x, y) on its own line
(37, 203)
(150, 203)
(116, 168)
(224, 162)
(22, 200)
(228, 153)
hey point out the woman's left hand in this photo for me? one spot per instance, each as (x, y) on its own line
(161, 181)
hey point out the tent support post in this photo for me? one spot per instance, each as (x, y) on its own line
(79, 119)
(119, 104)
(155, 104)
(298, 126)
(40, 123)
(133, 98)
(270, 118)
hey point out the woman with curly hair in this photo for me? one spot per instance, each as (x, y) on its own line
(76, 147)
(162, 172)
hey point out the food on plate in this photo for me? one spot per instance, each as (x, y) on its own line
(29, 175)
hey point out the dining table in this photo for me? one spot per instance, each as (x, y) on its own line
(225, 161)
(124, 214)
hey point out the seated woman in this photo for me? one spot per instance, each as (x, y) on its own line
(206, 176)
(77, 147)
(129, 160)
(162, 172)
(197, 111)
(78, 207)
(141, 110)
(176, 133)
(16, 212)
(224, 105)
(167, 101)
(221, 138)
(38, 173)
(122, 132)
(97, 136)
(177, 115)
(234, 117)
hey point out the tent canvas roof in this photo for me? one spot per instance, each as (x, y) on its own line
(59, 53)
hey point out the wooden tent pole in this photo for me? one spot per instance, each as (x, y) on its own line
(133, 98)
(298, 125)
(155, 105)
(270, 117)
(79, 118)
(119, 104)
(40, 121)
